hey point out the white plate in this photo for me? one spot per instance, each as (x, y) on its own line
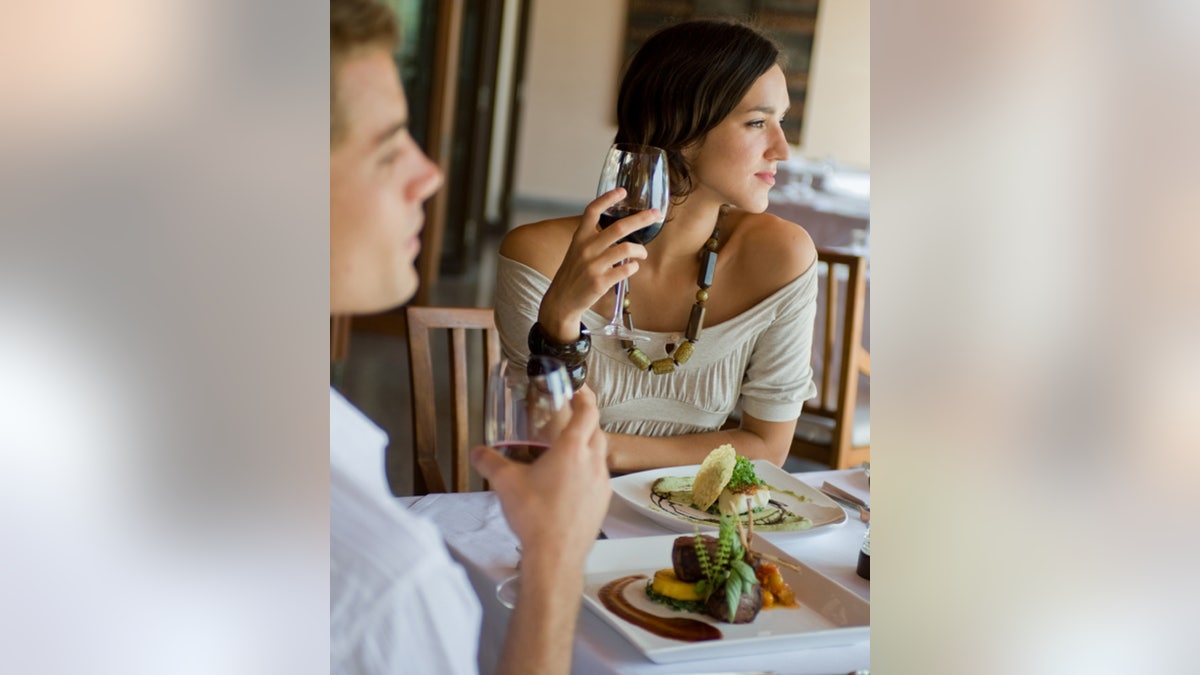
(795, 495)
(829, 614)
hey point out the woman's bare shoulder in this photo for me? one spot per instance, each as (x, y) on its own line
(540, 245)
(770, 250)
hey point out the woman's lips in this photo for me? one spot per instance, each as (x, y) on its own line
(768, 178)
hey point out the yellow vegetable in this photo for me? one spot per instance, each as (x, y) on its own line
(666, 583)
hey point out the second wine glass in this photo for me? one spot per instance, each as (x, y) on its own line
(525, 410)
(526, 406)
(642, 171)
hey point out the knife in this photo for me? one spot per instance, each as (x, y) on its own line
(838, 493)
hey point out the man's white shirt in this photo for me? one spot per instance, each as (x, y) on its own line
(397, 602)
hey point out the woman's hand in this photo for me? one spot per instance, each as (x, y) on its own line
(590, 267)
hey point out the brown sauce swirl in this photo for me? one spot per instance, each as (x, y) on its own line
(674, 628)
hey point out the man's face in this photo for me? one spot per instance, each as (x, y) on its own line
(378, 180)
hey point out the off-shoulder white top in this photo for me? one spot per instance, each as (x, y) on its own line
(760, 359)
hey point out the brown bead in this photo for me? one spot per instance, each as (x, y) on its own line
(695, 323)
(684, 352)
(701, 296)
(625, 303)
(711, 244)
(639, 359)
(663, 365)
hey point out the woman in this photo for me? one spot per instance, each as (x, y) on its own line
(712, 95)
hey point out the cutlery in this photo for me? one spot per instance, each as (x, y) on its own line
(864, 509)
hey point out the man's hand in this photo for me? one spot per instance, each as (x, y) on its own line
(556, 504)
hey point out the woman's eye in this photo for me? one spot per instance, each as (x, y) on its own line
(758, 124)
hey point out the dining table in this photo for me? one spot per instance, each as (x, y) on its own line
(478, 537)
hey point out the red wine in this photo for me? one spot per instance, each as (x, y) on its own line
(522, 451)
(642, 236)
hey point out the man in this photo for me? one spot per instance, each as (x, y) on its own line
(398, 603)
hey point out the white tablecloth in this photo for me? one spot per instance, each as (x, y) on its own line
(478, 537)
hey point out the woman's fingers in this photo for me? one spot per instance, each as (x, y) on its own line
(590, 222)
(592, 265)
(591, 215)
(628, 225)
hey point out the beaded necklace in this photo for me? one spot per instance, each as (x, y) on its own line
(667, 364)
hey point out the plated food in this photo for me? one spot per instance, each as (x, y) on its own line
(825, 613)
(733, 594)
(681, 497)
(719, 577)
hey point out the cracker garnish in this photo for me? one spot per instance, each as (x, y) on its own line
(713, 476)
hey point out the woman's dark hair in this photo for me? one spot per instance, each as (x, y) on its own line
(683, 81)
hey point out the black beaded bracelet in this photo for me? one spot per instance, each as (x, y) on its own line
(573, 353)
(578, 373)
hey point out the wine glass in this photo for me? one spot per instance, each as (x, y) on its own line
(642, 171)
(526, 407)
(524, 411)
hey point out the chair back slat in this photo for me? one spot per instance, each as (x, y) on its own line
(824, 399)
(456, 321)
(460, 429)
(841, 304)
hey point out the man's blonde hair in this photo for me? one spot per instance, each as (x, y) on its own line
(354, 25)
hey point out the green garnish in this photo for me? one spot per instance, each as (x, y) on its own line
(743, 476)
(729, 568)
(706, 566)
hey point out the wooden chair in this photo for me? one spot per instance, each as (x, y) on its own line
(834, 428)
(422, 321)
(339, 347)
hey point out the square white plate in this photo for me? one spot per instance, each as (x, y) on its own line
(829, 614)
(786, 490)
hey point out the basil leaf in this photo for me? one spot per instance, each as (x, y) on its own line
(733, 593)
(746, 572)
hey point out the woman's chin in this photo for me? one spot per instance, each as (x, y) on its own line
(754, 206)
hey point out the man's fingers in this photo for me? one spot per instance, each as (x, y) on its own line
(584, 415)
(487, 461)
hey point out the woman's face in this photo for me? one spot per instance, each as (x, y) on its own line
(735, 163)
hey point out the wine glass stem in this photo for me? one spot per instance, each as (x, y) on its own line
(619, 306)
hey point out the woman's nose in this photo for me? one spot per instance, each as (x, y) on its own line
(779, 149)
